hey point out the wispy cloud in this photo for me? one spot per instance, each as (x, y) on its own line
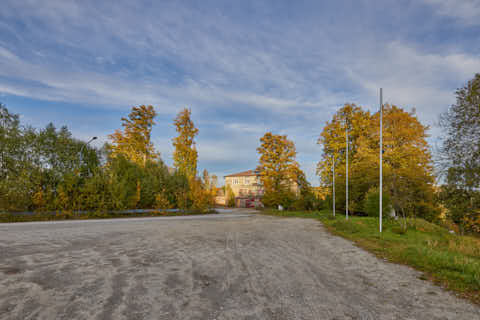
(244, 69)
(466, 11)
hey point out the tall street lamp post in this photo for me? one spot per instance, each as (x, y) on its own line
(83, 147)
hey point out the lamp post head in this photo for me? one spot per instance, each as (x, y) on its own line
(94, 138)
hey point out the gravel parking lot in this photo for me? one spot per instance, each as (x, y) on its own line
(231, 266)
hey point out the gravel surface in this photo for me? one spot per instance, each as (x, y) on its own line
(223, 267)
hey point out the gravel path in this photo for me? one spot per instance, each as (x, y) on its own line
(239, 267)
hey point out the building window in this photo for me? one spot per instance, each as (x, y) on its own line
(247, 181)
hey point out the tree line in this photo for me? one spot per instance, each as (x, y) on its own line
(447, 189)
(50, 170)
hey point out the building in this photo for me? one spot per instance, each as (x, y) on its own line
(246, 187)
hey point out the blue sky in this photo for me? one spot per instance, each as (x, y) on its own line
(243, 67)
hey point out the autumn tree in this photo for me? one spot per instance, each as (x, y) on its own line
(210, 185)
(460, 156)
(278, 169)
(333, 143)
(134, 142)
(185, 154)
(407, 163)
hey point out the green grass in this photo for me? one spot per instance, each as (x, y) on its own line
(450, 260)
(12, 217)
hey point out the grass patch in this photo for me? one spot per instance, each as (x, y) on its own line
(450, 260)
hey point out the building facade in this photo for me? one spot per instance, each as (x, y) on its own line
(246, 187)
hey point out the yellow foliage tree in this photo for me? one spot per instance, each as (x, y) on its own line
(185, 154)
(407, 163)
(278, 169)
(210, 186)
(134, 142)
(333, 141)
(38, 199)
(199, 196)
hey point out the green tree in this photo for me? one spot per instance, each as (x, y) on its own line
(460, 156)
(10, 142)
(372, 205)
(14, 195)
(185, 154)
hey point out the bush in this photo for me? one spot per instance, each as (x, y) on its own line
(200, 197)
(273, 199)
(427, 211)
(307, 202)
(372, 205)
(161, 201)
(229, 197)
(399, 230)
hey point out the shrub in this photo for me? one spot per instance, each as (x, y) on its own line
(427, 211)
(230, 196)
(273, 199)
(200, 197)
(161, 201)
(372, 205)
(399, 230)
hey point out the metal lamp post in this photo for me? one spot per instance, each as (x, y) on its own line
(83, 147)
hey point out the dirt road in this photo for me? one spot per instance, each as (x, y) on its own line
(234, 267)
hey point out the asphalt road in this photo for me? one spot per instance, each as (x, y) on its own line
(230, 266)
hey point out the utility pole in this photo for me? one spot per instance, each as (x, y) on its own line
(381, 156)
(346, 167)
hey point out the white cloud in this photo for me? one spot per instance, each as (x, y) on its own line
(292, 74)
(412, 78)
(466, 11)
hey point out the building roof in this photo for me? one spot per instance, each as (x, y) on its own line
(247, 173)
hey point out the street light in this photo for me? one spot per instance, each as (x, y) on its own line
(83, 147)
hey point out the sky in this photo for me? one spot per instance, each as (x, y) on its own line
(242, 67)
